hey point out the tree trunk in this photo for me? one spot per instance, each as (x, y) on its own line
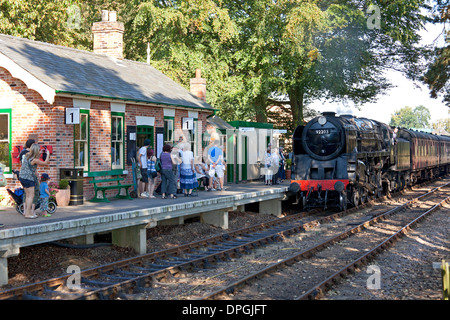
(260, 106)
(296, 98)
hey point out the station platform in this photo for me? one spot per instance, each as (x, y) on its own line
(128, 220)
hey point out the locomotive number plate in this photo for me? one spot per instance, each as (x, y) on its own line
(323, 131)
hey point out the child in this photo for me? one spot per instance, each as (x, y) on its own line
(44, 195)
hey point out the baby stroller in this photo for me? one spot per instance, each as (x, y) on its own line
(17, 195)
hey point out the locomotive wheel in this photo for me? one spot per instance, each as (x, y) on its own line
(363, 196)
(343, 201)
(355, 198)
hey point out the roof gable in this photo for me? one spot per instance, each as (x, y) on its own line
(68, 70)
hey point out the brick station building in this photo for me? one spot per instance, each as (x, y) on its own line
(91, 109)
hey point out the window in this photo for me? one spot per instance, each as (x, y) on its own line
(81, 141)
(193, 138)
(168, 130)
(5, 140)
(117, 150)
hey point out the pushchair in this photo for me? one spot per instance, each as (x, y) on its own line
(17, 196)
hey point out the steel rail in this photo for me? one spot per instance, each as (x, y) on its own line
(310, 252)
(42, 286)
(321, 288)
(33, 291)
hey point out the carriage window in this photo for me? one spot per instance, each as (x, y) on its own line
(5, 140)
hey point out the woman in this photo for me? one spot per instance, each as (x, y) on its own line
(28, 177)
(168, 181)
(152, 174)
(187, 175)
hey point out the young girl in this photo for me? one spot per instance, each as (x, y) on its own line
(152, 174)
(28, 178)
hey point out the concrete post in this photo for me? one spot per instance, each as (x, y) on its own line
(218, 218)
(85, 239)
(4, 254)
(272, 207)
(134, 237)
(3, 271)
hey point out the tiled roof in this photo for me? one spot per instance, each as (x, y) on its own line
(68, 70)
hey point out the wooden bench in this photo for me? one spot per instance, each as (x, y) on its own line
(101, 177)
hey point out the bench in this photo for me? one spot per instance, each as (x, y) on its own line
(101, 177)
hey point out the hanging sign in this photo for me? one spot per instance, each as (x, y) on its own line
(72, 116)
(187, 124)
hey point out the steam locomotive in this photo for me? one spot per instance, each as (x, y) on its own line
(345, 160)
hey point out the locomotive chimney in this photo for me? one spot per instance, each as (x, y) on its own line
(329, 114)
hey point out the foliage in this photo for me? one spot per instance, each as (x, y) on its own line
(437, 77)
(252, 52)
(63, 184)
(288, 164)
(407, 117)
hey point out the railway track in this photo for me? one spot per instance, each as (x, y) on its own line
(314, 270)
(167, 274)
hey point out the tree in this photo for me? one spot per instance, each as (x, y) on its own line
(252, 52)
(307, 50)
(437, 76)
(407, 117)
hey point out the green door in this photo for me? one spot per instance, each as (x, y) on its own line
(144, 132)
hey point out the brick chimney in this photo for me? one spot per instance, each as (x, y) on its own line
(108, 35)
(198, 85)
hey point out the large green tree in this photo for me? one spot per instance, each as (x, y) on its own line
(407, 117)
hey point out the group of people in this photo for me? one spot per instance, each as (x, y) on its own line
(34, 191)
(177, 163)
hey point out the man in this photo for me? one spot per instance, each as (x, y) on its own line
(142, 162)
(217, 165)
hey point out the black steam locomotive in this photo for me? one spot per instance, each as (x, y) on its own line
(346, 160)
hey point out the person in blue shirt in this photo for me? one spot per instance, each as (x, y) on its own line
(44, 192)
(217, 165)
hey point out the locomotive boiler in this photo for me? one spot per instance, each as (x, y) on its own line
(342, 160)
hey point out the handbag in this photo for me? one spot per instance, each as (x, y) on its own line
(158, 165)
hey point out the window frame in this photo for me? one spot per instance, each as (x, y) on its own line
(86, 166)
(9, 113)
(193, 137)
(167, 141)
(122, 144)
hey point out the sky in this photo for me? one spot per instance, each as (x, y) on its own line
(406, 93)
